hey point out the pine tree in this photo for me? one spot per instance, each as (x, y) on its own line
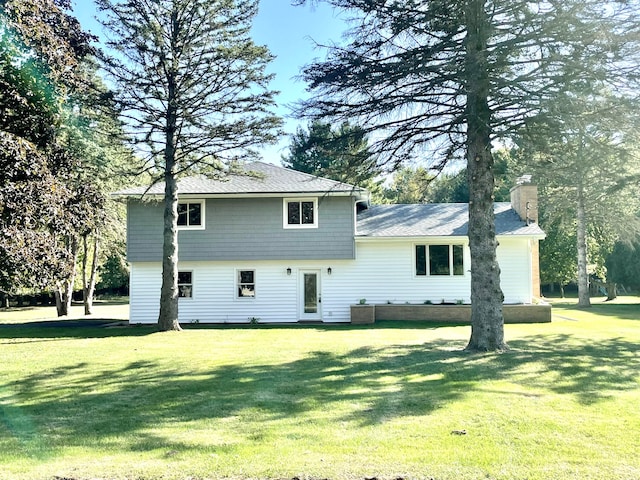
(194, 95)
(446, 79)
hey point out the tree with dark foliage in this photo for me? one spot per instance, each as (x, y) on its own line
(41, 48)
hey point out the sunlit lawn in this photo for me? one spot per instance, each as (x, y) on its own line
(322, 402)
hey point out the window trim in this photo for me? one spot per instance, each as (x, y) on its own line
(190, 272)
(202, 204)
(285, 212)
(427, 259)
(238, 284)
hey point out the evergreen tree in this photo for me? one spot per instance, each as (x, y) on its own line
(194, 96)
(341, 153)
(450, 77)
(583, 152)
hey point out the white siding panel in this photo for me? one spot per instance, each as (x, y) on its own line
(382, 272)
(385, 272)
(214, 297)
(514, 258)
(144, 292)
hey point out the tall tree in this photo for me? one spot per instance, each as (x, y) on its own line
(41, 48)
(449, 77)
(340, 153)
(557, 252)
(584, 153)
(419, 186)
(410, 185)
(623, 265)
(194, 95)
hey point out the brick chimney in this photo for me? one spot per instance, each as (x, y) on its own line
(524, 199)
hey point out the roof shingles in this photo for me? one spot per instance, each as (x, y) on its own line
(260, 178)
(435, 219)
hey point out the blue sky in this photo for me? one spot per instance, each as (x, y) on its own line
(289, 32)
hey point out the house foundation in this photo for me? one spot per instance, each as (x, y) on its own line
(454, 314)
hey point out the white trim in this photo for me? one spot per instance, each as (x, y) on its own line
(285, 212)
(202, 214)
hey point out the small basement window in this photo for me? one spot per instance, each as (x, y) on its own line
(185, 284)
(191, 215)
(246, 283)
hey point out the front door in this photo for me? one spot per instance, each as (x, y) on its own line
(310, 300)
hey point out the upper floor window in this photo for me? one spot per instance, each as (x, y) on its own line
(191, 215)
(301, 213)
(439, 260)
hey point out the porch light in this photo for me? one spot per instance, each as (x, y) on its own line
(289, 271)
(329, 270)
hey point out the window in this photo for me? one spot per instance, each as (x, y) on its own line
(246, 283)
(191, 215)
(439, 260)
(300, 213)
(185, 284)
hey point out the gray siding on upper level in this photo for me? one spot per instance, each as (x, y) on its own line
(245, 229)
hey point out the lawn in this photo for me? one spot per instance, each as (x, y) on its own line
(385, 401)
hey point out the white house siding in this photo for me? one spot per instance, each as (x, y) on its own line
(514, 257)
(384, 271)
(214, 297)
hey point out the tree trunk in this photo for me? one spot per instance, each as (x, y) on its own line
(168, 318)
(581, 225)
(487, 322)
(5, 300)
(612, 290)
(64, 290)
(89, 287)
(562, 290)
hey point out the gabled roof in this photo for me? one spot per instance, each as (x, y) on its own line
(260, 178)
(435, 220)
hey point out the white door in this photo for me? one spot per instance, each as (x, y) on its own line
(309, 294)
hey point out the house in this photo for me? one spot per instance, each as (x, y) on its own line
(279, 245)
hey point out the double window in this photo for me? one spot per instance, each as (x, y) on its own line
(439, 260)
(191, 215)
(301, 213)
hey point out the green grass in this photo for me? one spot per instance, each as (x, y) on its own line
(117, 309)
(323, 402)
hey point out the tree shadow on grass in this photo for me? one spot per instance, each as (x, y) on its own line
(49, 331)
(626, 311)
(379, 384)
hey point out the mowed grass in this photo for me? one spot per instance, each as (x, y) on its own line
(323, 402)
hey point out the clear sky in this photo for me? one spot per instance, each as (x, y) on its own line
(289, 31)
